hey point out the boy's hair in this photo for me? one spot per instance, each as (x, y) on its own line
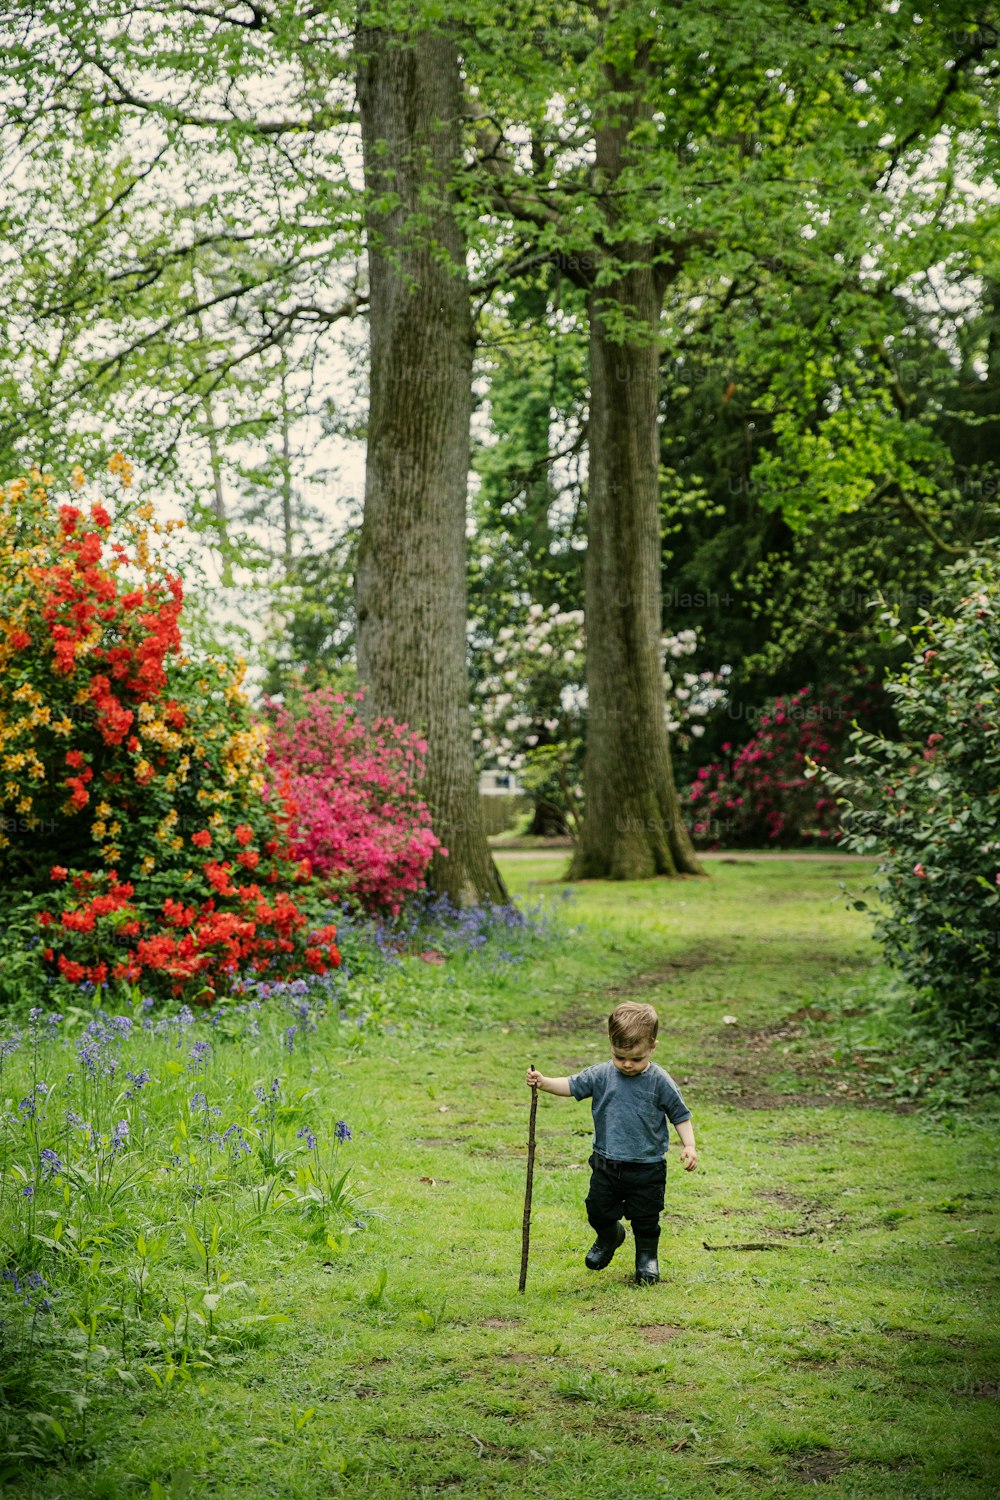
(631, 1024)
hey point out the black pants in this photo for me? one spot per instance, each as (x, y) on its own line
(633, 1189)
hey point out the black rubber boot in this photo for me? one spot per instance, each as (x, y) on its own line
(647, 1269)
(602, 1250)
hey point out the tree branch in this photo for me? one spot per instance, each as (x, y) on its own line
(891, 485)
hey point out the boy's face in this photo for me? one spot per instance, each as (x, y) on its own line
(632, 1060)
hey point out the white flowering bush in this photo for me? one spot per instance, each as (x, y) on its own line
(531, 707)
(690, 696)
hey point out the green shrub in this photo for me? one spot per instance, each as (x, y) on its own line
(928, 804)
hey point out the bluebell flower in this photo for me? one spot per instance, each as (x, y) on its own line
(233, 1138)
(9, 1045)
(89, 1057)
(138, 1081)
(197, 1056)
(342, 1131)
(28, 1192)
(29, 1104)
(306, 1134)
(51, 1165)
(290, 1034)
(119, 1136)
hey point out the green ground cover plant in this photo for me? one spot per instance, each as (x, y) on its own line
(827, 1315)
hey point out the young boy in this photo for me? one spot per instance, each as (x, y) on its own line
(633, 1099)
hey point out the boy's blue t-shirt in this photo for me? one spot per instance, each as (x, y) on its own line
(630, 1114)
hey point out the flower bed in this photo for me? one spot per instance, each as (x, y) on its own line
(135, 841)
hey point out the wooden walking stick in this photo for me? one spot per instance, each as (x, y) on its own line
(526, 1220)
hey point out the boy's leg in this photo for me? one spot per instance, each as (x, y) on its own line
(604, 1209)
(643, 1205)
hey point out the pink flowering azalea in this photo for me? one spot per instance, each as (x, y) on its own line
(358, 816)
(763, 794)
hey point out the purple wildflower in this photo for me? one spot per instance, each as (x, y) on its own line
(51, 1165)
(29, 1104)
(342, 1131)
(9, 1045)
(198, 1054)
(233, 1139)
(306, 1134)
(138, 1081)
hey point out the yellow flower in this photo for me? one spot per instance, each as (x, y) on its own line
(79, 478)
(24, 806)
(148, 865)
(98, 829)
(119, 464)
(146, 713)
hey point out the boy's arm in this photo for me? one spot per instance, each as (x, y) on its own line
(548, 1085)
(689, 1156)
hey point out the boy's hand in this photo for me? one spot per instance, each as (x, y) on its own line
(689, 1158)
(533, 1078)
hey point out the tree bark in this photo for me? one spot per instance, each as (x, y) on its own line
(632, 824)
(411, 572)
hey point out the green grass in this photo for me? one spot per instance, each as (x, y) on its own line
(858, 1354)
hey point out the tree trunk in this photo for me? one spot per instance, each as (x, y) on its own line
(411, 572)
(632, 825)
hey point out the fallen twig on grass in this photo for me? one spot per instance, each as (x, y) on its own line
(790, 1234)
(750, 1245)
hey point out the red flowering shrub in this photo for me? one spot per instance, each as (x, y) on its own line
(357, 814)
(131, 776)
(762, 794)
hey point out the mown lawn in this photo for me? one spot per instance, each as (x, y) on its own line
(855, 1355)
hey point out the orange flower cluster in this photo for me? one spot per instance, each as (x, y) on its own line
(119, 753)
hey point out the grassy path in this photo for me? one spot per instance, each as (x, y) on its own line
(857, 1354)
